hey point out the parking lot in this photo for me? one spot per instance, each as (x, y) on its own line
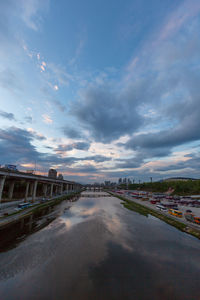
(147, 203)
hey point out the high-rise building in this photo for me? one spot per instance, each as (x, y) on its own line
(60, 176)
(107, 183)
(124, 180)
(120, 181)
(52, 173)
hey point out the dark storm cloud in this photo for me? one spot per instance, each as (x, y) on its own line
(15, 144)
(106, 115)
(16, 147)
(59, 105)
(86, 169)
(72, 133)
(6, 115)
(192, 163)
(161, 98)
(130, 163)
(28, 119)
(152, 144)
(98, 158)
(76, 145)
(186, 127)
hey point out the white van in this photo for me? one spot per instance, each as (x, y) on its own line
(161, 207)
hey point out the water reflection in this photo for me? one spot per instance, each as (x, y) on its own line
(98, 249)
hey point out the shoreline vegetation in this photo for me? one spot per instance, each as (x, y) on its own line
(182, 188)
(145, 211)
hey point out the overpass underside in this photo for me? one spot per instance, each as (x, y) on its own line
(21, 186)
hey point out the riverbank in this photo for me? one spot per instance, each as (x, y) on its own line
(17, 225)
(144, 210)
(37, 207)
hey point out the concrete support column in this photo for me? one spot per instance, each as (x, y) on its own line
(30, 224)
(27, 190)
(56, 189)
(34, 191)
(61, 188)
(22, 224)
(66, 187)
(45, 190)
(11, 189)
(31, 188)
(51, 191)
(2, 181)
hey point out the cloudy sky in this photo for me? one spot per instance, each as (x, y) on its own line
(101, 89)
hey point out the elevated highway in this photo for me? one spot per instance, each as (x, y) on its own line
(50, 186)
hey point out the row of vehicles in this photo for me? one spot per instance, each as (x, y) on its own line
(177, 213)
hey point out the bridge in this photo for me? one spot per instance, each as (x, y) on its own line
(95, 195)
(93, 188)
(29, 185)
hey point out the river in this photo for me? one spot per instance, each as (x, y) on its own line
(97, 249)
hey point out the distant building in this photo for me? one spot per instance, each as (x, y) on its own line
(124, 180)
(107, 183)
(52, 173)
(120, 181)
(60, 176)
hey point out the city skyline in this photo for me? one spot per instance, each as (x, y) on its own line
(101, 91)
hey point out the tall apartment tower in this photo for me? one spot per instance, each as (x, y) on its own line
(52, 173)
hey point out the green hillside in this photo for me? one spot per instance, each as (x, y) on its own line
(180, 187)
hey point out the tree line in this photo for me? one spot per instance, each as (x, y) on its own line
(188, 187)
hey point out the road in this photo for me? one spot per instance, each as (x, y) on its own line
(12, 209)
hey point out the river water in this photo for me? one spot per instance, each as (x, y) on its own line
(98, 249)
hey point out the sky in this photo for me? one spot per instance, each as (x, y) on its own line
(100, 90)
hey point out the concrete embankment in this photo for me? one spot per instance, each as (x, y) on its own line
(145, 210)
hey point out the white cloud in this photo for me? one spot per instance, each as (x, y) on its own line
(187, 10)
(30, 12)
(47, 119)
(56, 88)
